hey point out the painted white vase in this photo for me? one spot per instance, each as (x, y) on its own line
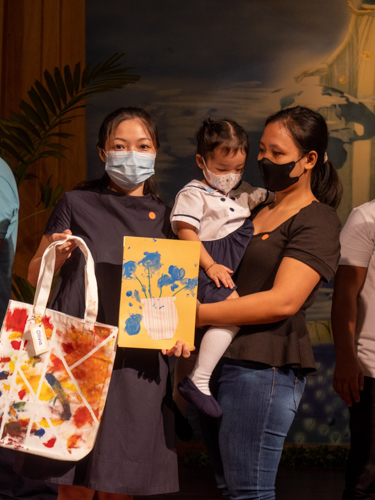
(160, 317)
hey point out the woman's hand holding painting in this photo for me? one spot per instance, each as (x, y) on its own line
(178, 349)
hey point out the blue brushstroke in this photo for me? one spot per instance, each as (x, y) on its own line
(128, 269)
(189, 285)
(130, 304)
(129, 293)
(61, 396)
(176, 273)
(151, 261)
(4, 375)
(40, 432)
(165, 280)
(133, 324)
(136, 296)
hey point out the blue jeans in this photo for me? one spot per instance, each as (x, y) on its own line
(259, 404)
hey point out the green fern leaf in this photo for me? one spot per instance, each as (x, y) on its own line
(69, 80)
(22, 120)
(39, 105)
(32, 115)
(77, 76)
(60, 85)
(46, 97)
(53, 89)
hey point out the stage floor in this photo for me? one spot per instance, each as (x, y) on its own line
(291, 484)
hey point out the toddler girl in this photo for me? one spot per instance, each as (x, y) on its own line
(215, 211)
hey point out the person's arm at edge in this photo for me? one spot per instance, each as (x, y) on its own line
(348, 377)
(293, 283)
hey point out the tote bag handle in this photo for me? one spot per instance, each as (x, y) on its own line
(46, 273)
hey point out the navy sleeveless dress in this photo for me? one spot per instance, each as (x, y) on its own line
(134, 453)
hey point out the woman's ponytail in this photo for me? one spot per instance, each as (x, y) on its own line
(326, 184)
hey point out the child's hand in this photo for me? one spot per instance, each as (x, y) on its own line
(218, 273)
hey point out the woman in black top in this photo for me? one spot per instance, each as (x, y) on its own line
(295, 246)
(134, 452)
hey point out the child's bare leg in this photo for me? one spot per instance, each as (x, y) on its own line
(214, 344)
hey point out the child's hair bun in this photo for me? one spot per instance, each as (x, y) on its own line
(225, 134)
(206, 122)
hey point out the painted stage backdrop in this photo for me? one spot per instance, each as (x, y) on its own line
(245, 60)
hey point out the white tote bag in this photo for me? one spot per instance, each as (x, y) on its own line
(54, 370)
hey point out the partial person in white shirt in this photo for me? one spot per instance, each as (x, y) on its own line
(353, 325)
(216, 212)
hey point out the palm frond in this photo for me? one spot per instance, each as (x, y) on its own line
(31, 134)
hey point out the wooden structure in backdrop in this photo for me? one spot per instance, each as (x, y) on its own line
(38, 35)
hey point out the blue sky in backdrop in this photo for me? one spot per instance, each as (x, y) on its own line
(207, 57)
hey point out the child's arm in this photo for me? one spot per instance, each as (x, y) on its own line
(215, 271)
(260, 196)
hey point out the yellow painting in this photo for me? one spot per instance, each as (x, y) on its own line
(158, 292)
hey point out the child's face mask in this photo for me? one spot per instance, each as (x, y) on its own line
(223, 183)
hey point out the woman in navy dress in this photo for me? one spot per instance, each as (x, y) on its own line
(134, 452)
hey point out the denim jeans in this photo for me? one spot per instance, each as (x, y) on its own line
(259, 404)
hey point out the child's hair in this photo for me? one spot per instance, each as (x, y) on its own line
(108, 126)
(224, 134)
(309, 132)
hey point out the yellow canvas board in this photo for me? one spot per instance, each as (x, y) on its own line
(158, 292)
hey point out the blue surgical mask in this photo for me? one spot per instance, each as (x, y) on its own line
(129, 169)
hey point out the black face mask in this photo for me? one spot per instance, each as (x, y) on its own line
(276, 177)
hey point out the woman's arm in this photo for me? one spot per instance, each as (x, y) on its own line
(348, 377)
(293, 284)
(63, 252)
(214, 270)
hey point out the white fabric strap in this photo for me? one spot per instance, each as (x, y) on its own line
(46, 273)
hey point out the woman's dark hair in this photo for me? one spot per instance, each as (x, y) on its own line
(224, 134)
(109, 125)
(310, 133)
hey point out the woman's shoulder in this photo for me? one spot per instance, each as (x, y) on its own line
(318, 214)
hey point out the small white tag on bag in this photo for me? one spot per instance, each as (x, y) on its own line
(39, 338)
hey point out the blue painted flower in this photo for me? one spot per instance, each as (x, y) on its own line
(164, 280)
(176, 273)
(133, 324)
(190, 284)
(151, 261)
(128, 269)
